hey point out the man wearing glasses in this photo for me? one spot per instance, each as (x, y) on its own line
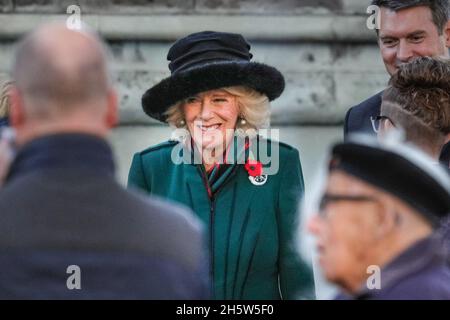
(408, 29)
(418, 101)
(375, 226)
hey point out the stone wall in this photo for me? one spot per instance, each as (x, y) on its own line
(279, 7)
(327, 54)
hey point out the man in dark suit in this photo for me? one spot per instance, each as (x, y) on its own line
(68, 229)
(377, 235)
(408, 29)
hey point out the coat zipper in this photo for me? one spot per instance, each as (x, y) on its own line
(212, 207)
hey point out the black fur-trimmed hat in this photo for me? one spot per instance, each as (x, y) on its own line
(205, 61)
(398, 169)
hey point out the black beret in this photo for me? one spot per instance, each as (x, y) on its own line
(400, 170)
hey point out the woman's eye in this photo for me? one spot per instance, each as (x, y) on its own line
(218, 100)
(191, 100)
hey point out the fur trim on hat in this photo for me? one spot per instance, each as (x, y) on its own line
(179, 86)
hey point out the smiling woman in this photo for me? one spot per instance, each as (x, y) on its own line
(250, 215)
(213, 116)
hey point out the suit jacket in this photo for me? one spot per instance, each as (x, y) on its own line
(360, 119)
(61, 206)
(251, 228)
(421, 272)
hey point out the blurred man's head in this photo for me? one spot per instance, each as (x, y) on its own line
(418, 101)
(62, 85)
(368, 215)
(411, 29)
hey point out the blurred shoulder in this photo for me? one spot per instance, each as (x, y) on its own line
(159, 218)
(174, 214)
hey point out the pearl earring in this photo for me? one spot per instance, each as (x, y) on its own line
(181, 123)
(243, 121)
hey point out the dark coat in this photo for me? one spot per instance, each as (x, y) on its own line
(251, 228)
(359, 119)
(3, 122)
(61, 206)
(420, 273)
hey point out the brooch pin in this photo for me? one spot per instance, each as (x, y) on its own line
(255, 170)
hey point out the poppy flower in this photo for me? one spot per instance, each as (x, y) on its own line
(254, 168)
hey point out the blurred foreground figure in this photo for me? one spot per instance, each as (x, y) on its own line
(68, 230)
(418, 102)
(376, 227)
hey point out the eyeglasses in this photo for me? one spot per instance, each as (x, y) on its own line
(328, 198)
(380, 121)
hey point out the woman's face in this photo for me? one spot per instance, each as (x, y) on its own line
(211, 118)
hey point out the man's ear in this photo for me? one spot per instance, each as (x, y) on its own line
(386, 219)
(447, 34)
(112, 112)
(447, 138)
(16, 111)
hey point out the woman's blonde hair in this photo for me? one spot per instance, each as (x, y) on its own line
(4, 98)
(254, 108)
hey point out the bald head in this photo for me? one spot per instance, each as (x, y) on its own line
(58, 69)
(61, 85)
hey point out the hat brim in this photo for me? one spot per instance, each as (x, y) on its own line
(260, 77)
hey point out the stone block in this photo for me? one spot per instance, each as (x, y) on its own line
(6, 6)
(308, 98)
(134, 7)
(289, 7)
(37, 6)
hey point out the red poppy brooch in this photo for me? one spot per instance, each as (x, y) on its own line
(255, 170)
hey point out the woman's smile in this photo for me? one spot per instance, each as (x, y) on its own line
(209, 128)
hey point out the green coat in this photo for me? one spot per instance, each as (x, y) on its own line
(251, 228)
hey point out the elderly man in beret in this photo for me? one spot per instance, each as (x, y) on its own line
(376, 230)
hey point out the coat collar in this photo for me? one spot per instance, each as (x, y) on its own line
(430, 251)
(66, 151)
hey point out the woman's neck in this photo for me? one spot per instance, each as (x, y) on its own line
(211, 157)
